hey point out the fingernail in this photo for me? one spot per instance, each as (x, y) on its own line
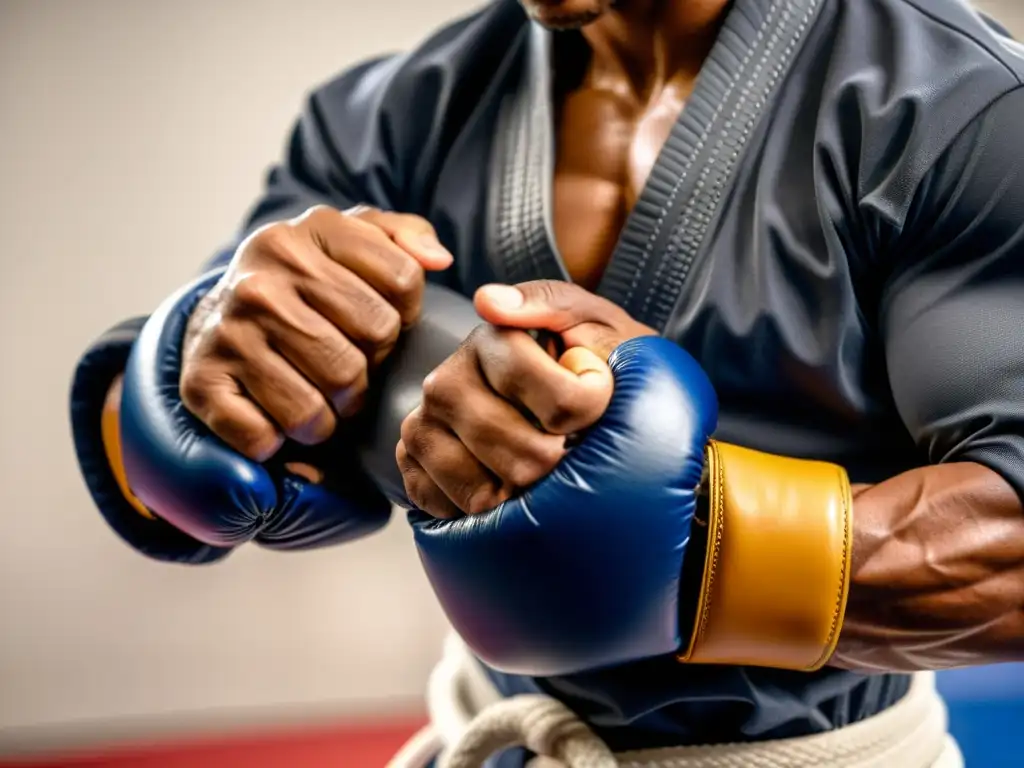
(432, 245)
(504, 296)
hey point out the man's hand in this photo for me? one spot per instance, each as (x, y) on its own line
(495, 415)
(282, 345)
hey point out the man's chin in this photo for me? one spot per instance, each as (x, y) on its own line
(565, 14)
(564, 23)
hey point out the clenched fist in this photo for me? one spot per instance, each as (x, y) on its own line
(495, 415)
(282, 345)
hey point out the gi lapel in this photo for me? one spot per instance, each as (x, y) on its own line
(667, 230)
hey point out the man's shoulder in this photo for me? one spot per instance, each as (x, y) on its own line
(460, 50)
(933, 44)
(992, 43)
(905, 80)
(390, 121)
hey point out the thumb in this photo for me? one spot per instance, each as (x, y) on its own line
(550, 305)
(414, 234)
(594, 374)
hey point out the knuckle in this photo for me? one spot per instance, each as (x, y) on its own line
(369, 305)
(418, 443)
(307, 224)
(482, 335)
(346, 365)
(225, 340)
(384, 328)
(365, 212)
(479, 500)
(438, 389)
(523, 475)
(253, 440)
(194, 393)
(410, 432)
(547, 291)
(408, 226)
(344, 385)
(305, 417)
(273, 239)
(528, 470)
(317, 214)
(412, 222)
(560, 411)
(253, 292)
(401, 454)
(408, 281)
(259, 444)
(493, 346)
(417, 489)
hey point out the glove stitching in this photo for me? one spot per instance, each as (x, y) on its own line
(834, 627)
(718, 515)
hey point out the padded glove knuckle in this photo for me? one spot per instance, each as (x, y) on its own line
(195, 482)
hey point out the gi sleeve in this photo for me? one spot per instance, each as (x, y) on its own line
(952, 311)
(342, 152)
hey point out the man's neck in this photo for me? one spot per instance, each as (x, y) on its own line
(651, 43)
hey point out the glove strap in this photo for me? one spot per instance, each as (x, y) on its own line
(777, 567)
(111, 433)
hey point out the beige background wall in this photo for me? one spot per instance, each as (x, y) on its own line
(133, 133)
(1010, 12)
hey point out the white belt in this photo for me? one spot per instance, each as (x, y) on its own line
(470, 722)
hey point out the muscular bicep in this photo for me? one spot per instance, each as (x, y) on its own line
(956, 368)
(952, 317)
(938, 558)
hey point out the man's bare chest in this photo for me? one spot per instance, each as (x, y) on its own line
(606, 146)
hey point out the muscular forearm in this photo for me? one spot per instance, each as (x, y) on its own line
(938, 572)
(924, 571)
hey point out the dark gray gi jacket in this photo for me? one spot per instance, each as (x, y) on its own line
(834, 229)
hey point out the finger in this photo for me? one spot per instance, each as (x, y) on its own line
(600, 340)
(315, 347)
(521, 371)
(414, 233)
(422, 491)
(367, 251)
(218, 400)
(456, 471)
(307, 472)
(492, 429)
(508, 445)
(271, 310)
(362, 315)
(553, 305)
(295, 405)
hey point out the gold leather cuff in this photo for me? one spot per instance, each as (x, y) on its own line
(110, 427)
(777, 568)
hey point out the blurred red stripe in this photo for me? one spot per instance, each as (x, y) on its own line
(355, 745)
